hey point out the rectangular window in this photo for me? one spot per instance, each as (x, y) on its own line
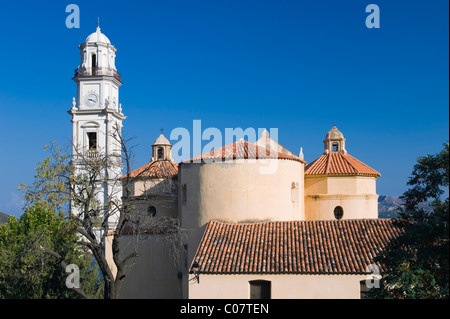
(260, 289)
(160, 154)
(335, 147)
(94, 64)
(92, 140)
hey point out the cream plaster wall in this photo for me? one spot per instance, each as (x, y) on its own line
(345, 185)
(321, 207)
(355, 194)
(160, 193)
(237, 192)
(144, 186)
(155, 273)
(109, 254)
(286, 286)
(165, 205)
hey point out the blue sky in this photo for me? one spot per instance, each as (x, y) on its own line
(297, 66)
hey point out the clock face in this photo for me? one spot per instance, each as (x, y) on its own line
(91, 99)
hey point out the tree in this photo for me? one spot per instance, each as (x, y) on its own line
(61, 183)
(416, 263)
(27, 271)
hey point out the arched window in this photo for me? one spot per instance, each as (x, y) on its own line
(160, 152)
(94, 64)
(151, 210)
(338, 212)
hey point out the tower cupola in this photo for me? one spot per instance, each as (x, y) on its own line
(334, 142)
(162, 149)
(98, 56)
(97, 77)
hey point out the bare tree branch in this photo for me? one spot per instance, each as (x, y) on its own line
(78, 182)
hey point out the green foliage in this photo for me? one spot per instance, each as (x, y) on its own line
(51, 181)
(429, 179)
(26, 271)
(416, 263)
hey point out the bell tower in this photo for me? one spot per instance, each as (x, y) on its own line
(334, 142)
(97, 114)
(161, 149)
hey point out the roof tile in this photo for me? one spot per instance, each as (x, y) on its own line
(338, 163)
(242, 149)
(316, 247)
(155, 169)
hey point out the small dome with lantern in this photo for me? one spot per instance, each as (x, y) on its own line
(97, 56)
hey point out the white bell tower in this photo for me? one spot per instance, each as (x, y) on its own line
(96, 113)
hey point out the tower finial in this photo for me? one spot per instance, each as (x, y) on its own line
(161, 129)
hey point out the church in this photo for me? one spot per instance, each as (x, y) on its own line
(307, 230)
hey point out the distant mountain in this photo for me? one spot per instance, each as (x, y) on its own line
(388, 206)
(3, 218)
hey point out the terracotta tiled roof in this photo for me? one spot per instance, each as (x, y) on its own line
(309, 247)
(337, 163)
(155, 169)
(242, 149)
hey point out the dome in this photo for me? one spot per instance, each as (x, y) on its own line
(97, 37)
(334, 134)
